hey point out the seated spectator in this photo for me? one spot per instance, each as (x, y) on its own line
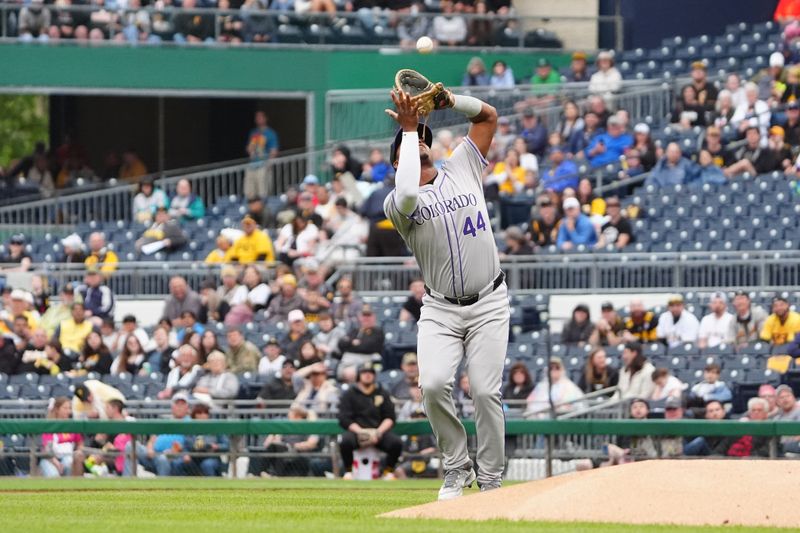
(580, 139)
(297, 335)
(132, 166)
(362, 344)
(308, 355)
(768, 393)
(688, 111)
(748, 320)
(609, 330)
(676, 325)
(327, 337)
(707, 171)
(666, 385)
(190, 328)
(788, 411)
(58, 312)
(703, 445)
(259, 212)
(781, 151)
(562, 174)
(570, 121)
(516, 242)
(297, 240)
(282, 386)
(476, 73)
(147, 201)
(507, 177)
(296, 445)
(253, 246)
(319, 393)
(272, 361)
(449, 28)
(502, 76)
(181, 298)
(733, 85)
(184, 205)
(116, 341)
(592, 205)
(545, 74)
(578, 68)
(377, 169)
(519, 387)
(217, 255)
(748, 445)
(792, 124)
(545, 228)
(93, 357)
(91, 400)
(412, 405)
(575, 229)
(63, 454)
(9, 360)
(286, 300)
(209, 466)
(706, 90)
(534, 132)
(34, 21)
(160, 351)
(39, 175)
(563, 395)
(579, 328)
(316, 294)
(636, 376)
(242, 355)
(752, 157)
(132, 358)
(617, 230)
(72, 250)
(98, 299)
(607, 148)
(635, 448)
(724, 109)
(754, 113)
(411, 27)
(711, 388)
(192, 27)
(257, 25)
(100, 255)
(672, 446)
(715, 327)
(217, 383)
(183, 377)
(672, 169)
(597, 373)
(156, 456)
(645, 147)
(16, 255)
(408, 365)
(412, 307)
(607, 79)
(366, 413)
(783, 324)
(163, 234)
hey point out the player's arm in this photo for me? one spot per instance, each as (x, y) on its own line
(483, 117)
(408, 163)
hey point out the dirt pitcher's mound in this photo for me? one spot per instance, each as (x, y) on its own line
(751, 493)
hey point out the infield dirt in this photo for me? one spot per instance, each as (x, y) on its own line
(702, 492)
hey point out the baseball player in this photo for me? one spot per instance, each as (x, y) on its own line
(442, 216)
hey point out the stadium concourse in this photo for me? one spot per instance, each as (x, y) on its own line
(252, 310)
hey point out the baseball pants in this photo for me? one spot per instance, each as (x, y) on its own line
(447, 334)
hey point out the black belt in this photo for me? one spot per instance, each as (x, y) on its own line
(472, 298)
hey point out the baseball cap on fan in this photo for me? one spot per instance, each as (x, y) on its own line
(424, 132)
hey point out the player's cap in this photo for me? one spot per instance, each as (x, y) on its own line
(311, 179)
(543, 62)
(673, 403)
(409, 358)
(794, 104)
(698, 65)
(641, 128)
(776, 59)
(719, 295)
(424, 132)
(675, 299)
(777, 130)
(579, 56)
(606, 306)
(571, 203)
(180, 397)
(296, 315)
(17, 238)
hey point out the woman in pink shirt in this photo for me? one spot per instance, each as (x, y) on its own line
(61, 450)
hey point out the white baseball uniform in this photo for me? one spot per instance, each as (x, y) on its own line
(449, 233)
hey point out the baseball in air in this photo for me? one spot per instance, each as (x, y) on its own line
(424, 45)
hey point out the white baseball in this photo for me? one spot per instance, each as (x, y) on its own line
(424, 45)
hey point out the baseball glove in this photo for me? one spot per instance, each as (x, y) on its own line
(365, 437)
(428, 96)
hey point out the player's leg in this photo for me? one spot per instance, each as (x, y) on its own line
(485, 344)
(347, 447)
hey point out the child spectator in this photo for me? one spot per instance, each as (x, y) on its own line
(666, 385)
(711, 388)
(63, 450)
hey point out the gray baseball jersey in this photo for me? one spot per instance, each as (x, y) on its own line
(449, 231)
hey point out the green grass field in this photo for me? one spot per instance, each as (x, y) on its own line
(286, 505)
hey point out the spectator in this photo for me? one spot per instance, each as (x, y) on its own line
(217, 383)
(607, 148)
(147, 200)
(242, 355)
(412, 307)
(781, 151)
(591, 204)
(184, 205)
(711, 388)
(792, 124)
(449, 28)
(544, 73)
(367, 415)
(93, 357)
(39, 355)
(607, 79)
(702, 446)
(713, 145)
(210, 466)
(129, 327)
(408, 365)
(579, 328)
(377, 169)
(672, 169)
(570, 121)
(9, 360)
(609, 329)
(534, 132)
(327, 338)
(783, 324)
(705, 91)
(562, 174)
(297, 240)
(262, 145)
(16, 255)
(314, 291)
(253, 293)
(753, 113)
(181, 298)
(634, 448)
(519, 387)
(91, 398)
(155, 457)
(286, 300)
(257, 25)
(725, 108)
(672, 446)
(748, 445)
(508, 176)
(476, 73)
(617, 230)
(319, 394)
(347, 304)
(161, 353)
(307, 355)
(63, 455)
(677, 325)
(192, 27)
(597, 374)
(502, 76)
(292, 463)
(272, 361)
(253, 246)
(688, 111)
(752, 157)
(545, 227)
(772, 76)
(412, 404)
(260, 213)
(413, 26)
(98, 299)
(131, 359)
(578, 68)
(297, 335)
(164, 234)
(132, 166)
(557, 392)
(281, 387)
(769, 394)
(100, 255)
(72, 250)
(666, 385)
(362, 344)
(580, 139)
(190, 328)
(636, 377)
(217, 255)
(575, 229)
(733, 85)
(748, 321)
(516, 242)
(34, 21)
(789, 411)
(715, 327)
(58, 312)
(183, 377)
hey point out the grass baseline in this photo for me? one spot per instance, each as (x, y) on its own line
(286, 505)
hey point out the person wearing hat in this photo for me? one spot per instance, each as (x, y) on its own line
(748, 320)
(616, 231)
(607, 147)
(545, 226)
(712, 144)
(367, 415)
(781, 150)
(297, 335)
(534, 132)
(783, 324)
(636, 374)
(165, 231)
(254, 245)
(72, 249)
(576, 229)
(282, 386)
(91, 398)
(716, 327)
(676, 325)
(556, 388)
(607, 79)
(579, 327)
(96, 295)
(578, 68)
(16, 259)
(362, 344)
(158, 455)
(545, 74)
(270, 365)
(705, 91)
(286, 300)
(752, 157)
(262, 144)
(792, 123)
(408, 364)
(769, 78)
(319, 393)
(609, 329)
(242, 354)
(147, 200)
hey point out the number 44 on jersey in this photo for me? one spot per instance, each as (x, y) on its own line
(470, 229)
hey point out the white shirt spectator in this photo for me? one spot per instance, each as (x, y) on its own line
(672, 388)
(685, 329)
(528, 161)
(270, 368)
(449, 29)
(257, 296)
(305, 241)
(760, 116)
(716, 329)
(605, 82)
